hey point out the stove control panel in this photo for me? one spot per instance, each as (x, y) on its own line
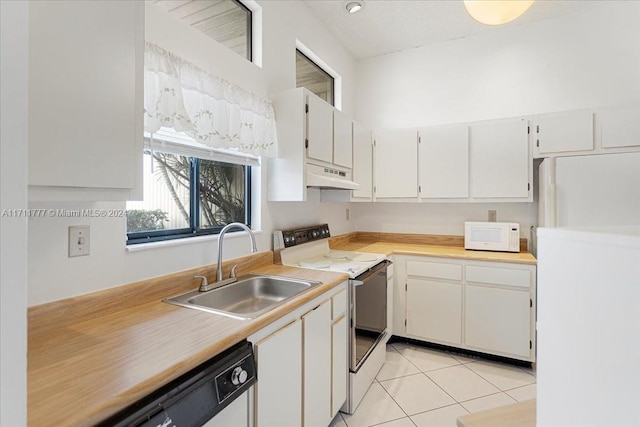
(299, 236)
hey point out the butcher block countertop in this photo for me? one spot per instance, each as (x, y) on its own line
(93, 355)
(425, 245)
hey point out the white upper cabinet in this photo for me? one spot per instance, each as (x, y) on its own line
(500, 163)
(362, 162)
(444, 162)
(309, 140)
(342, 139)
(85, 99)
(396, 164)
(567, 131)
(619, 128)
(319, 129)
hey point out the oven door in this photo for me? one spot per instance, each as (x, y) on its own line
(368, 313)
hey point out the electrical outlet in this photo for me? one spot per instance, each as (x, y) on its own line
(78, 240)
(347, 214)
(492, 215)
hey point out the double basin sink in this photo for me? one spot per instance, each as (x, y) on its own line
(247, 298)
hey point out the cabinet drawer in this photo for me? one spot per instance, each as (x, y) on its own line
(435, 270)
(499, 276)
(338, 304)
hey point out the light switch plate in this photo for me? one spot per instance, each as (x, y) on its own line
(492, 216)
(78, 240)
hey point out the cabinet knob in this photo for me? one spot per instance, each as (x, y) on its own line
(238, 376)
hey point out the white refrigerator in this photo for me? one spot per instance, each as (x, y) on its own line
(589, 191)
(588, 287)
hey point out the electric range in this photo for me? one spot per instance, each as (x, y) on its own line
(308, 247)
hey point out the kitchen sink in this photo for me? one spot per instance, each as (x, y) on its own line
(249, 297)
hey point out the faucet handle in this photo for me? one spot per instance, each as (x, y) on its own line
(204, 283)
(233, 271)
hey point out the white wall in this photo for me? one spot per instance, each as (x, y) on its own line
(438, 218)
(53, 276)
(591, 59)
(13, 195)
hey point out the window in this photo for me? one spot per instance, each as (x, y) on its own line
(314, 78)
(187, 196)
(226, 21)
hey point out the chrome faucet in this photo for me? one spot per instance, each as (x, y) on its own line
(204, 284)
(226, 228)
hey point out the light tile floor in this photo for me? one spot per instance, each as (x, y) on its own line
(424, 387)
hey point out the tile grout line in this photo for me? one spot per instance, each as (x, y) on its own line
(495, 385)
(442, 407)
(394, 401)
(440, 387)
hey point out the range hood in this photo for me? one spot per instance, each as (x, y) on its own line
(327, 177)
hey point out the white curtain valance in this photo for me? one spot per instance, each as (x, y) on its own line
(211, 110)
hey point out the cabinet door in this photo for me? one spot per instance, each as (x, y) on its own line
(339, 369)
(619, 128)
(434, 310)
(85, 94)
(498, 320)
(444, 162)
(362, 161)
(564, 132)
(500, 159)
(317, 366)
(342, 139)
(279, 387)
(319, 129)
(396, 171)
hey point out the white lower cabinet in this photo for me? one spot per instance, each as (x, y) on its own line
(498, 320)
(482, 306)
(339, 351)
(279, 360)
(338, 364)
(302, 364)
(317, 366)
(434, 310)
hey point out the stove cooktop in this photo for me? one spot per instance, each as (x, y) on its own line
(318, 256)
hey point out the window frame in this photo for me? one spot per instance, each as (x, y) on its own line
(249, 29)
(323, 71)
(194, 230)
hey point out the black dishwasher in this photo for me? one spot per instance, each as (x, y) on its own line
(197, 396)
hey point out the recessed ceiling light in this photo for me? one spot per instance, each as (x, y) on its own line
(352, 6)
(496, 12)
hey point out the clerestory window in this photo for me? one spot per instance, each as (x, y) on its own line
(309, 75)
(226, 21)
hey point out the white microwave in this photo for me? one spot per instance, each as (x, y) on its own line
(492, 236)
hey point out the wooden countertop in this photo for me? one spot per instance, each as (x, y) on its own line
(93, 355)
(440, 251)
(521, 414)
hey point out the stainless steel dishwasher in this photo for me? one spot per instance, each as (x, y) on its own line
(197, 398)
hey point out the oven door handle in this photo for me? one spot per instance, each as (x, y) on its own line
(373, 271)
(357, 282)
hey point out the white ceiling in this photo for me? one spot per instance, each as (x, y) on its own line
(386, 26)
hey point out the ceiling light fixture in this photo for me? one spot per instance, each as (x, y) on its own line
(496, 12)
(353, 6)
